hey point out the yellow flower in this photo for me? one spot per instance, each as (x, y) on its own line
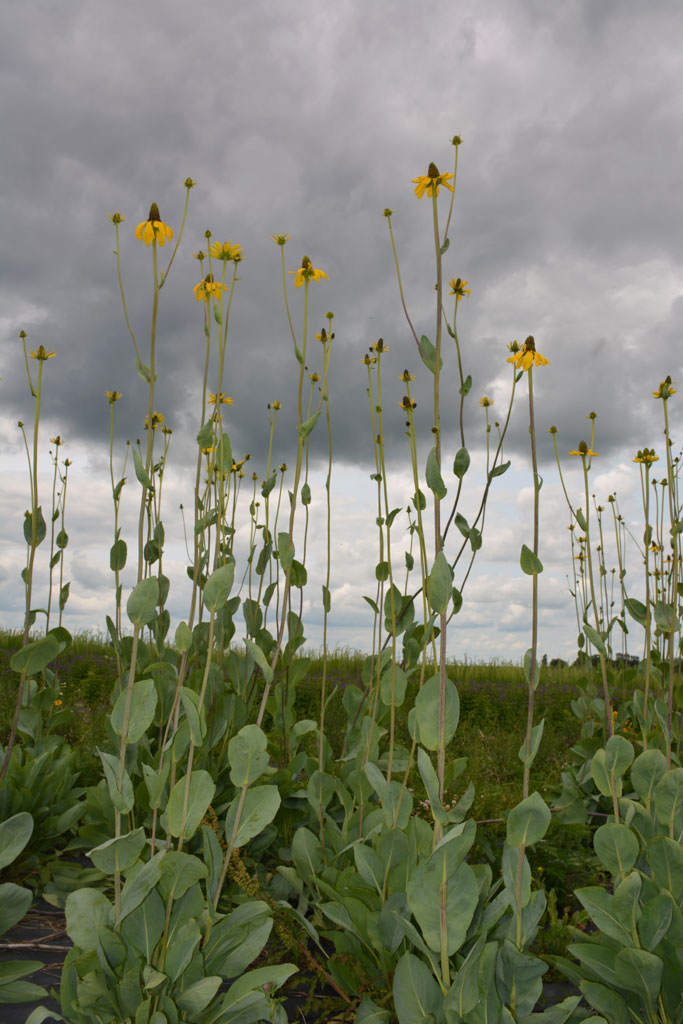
(157, 419)
(584, 450)
(407, 404)
(58, 703)
(208, 287)
(41, 354)
(280, 239)
(431, 181)
(307, 272)
(58, 440)
(368, 360)
(277, 405)
(113, 396)
(665, 389)
(219, 399)
(485, 402)
(228, 251)
(647, 456)
(527, 356)
(406, 376)
(153, 229)
(116, 217)
(458, 288)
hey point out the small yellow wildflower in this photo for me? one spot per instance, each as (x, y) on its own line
(527, 356)
(41, 354)
(280, 239)
(407, 404)
(406, 376)
(277, 405)
(228, 251)
(315, 377)
(113, 396)
(116, 217)
(485, 402)
(157, 420)
(207, 451)
(584, 450)
(646, 456)
(458, 288)
(431, 181)
(58, 440)
(665, 389)
(208, 287)
(307, 272)
(219, 399)
(58, 703)
(368, 360)
(153, 229)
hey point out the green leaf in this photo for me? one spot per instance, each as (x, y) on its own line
(669, 800)
(140, 882)
(142, 602)
(247, 755)
(218, 586)
(528, 821)
(617, 847)
(183, 637)
(285, 549)
(461, 463)
(41, 528)
(62, 539)
(122, 852)
(14, 902)
(499, 469)
(223, 453)
(665, 617)
(196, 719)
(123, 799)
(15, 833)
(606, 912)
(118, 555)
(428, 354)
(370, 1013)
(306, 494)
(665, 857)
(140, 471)
(581, 520)
(460, 891)
(530, 563)
(417, 997)
(636, 610)
(433, 476)
(466, 386)
(595, 638)
(202, 789)
(536, 736)
(261, 804)
(64, 596)
(197, 997)
(205, 435)
(326, 599)
(142, 709)
(640, 972)
(34, 657)
(268, 484)
(618, 755)
(179, 872)
(260, 659)
(440, 584)
(427, 712)
(87, 911)
(646, 771)
(307, 426)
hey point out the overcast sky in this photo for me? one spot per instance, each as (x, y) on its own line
(310, 118)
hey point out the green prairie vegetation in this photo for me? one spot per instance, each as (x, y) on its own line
(227, 820)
